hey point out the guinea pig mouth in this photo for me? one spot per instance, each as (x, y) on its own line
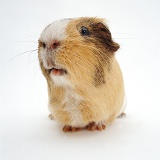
(57, 71)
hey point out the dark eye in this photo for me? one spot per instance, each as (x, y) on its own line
(44, 45)
(84, 31)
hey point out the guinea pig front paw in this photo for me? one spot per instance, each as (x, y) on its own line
(122, 115)
(71, 129)
(51, 117)
(96, 126)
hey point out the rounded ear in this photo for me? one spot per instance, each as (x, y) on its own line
(103, 35)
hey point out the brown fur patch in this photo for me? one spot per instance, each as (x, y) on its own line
(99, 34)
(99, 76)
(102, 37)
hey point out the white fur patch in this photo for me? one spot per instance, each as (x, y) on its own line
(53, 32)
(60, 80)
(72, 100)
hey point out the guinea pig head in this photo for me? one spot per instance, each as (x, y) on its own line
(76, 51)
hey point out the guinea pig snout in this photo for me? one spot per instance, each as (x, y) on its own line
(50, 64)
(54, 44)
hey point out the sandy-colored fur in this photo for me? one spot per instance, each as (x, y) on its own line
(94, 103)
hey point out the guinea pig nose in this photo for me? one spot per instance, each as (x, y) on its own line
(55, 44)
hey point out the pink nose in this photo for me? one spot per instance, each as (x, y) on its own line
(54, 44)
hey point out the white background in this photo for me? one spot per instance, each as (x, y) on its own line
(26, 133)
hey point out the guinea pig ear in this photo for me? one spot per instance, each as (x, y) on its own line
(103, 35)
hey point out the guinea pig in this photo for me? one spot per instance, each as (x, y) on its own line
(85, 83)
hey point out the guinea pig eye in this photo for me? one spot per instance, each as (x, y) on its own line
(44, 45)
(84, 31)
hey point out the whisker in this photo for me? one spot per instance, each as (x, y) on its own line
(127, 34)
(26, 41)
(31, 62)
(29, 36)
(31, 51)
(124, 38)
